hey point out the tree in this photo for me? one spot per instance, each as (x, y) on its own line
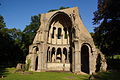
(107, 17)
(2, 23)
(10, 52)
(29, 33)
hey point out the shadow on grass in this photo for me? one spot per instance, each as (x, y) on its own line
(108, 76)
(3, 72)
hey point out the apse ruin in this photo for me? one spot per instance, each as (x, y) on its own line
(62, 43)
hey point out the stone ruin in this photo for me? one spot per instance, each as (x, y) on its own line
(62, 43)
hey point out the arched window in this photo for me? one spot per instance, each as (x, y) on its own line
(65, 53)
(65, 29)
(53, 32)
(59, 33)
(59, 54)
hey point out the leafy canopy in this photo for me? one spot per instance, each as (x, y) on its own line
(107, 17)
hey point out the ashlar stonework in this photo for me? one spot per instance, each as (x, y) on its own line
(62, 43)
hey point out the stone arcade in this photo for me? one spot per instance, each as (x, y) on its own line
(62, 43)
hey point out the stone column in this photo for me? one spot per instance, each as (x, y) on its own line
(39, 61)
(33, 62)
(67, 57)
(62, 56)
(50, 38)
(77, 60)
(73, 60)
(55, 56)
(62, 36)
(56, 34)
(48, 56)
(67, 38)
(62, 39)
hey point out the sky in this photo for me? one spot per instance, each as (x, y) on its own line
(17, 13)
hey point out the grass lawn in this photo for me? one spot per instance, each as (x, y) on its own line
(42, 76)
(10, 75)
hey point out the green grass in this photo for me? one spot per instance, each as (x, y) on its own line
(114, 57)
(43, 76)
(10, 75)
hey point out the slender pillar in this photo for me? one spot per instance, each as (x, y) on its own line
(62, 35)
(51, 38)
(55, 56)
(62, 56)
(39, 61)
(67, 38)
(48, 56)
(67, 57)
(56, 34)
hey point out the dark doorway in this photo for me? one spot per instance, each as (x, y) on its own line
(85, 59)
(36, 64)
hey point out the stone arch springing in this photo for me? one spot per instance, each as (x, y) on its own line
(98, 63)
(85, 65)
(35, 49)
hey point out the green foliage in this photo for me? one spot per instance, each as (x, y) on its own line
(29, 33)
(2, 23)
(9, 48)
(106, 34)
(14, 43)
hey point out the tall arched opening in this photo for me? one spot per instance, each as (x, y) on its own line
(65, 55)
(60, 39)
(53, 55)
(59, 55)
(85, 58)
(36, 64)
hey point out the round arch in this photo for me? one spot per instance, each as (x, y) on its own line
(59, 55)
(85, 55)
(66, 17)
